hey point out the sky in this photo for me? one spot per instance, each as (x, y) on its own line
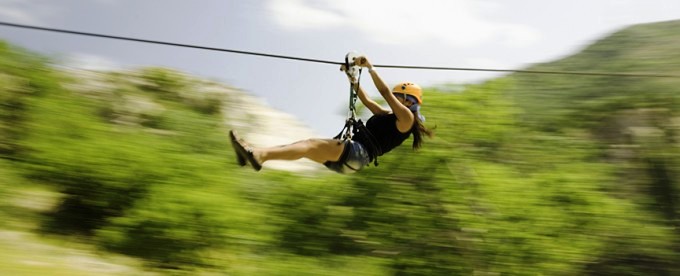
(502, 34)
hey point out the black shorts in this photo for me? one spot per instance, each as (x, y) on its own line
(353, 158)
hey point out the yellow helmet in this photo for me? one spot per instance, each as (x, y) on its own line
(409, 88)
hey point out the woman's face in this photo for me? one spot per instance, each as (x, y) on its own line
(401, 97)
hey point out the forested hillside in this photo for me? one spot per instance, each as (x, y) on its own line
(527, 174)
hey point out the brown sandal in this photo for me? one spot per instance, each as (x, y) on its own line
(244, 152)
(240, 159)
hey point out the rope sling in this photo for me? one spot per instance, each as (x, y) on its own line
(352, 124)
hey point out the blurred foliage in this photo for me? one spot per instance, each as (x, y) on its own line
(23, 75)
(527, 174)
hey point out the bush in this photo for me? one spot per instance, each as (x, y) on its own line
(23, 75)
(166, 84)
(169, 233)
(99, 182)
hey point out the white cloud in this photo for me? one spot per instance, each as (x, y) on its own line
(30, 12)
(299, 15)
(484, 63)
(454, 22)
(11, 10)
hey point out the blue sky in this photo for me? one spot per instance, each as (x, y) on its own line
(508, 34)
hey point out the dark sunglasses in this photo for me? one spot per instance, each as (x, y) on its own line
(400, 95)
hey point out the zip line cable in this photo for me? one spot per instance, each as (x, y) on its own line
(581, 73)
(163, 43)
(546, 72)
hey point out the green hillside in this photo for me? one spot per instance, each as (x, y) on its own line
(527, 174)
(648, 48)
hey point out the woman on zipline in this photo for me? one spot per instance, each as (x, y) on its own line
(386, 129)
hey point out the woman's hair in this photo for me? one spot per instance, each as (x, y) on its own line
(418, 130)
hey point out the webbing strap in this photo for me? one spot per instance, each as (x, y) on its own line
(351, 70)
(352, 125)
(372, 141)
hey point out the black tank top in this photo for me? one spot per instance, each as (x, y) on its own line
(386, 136)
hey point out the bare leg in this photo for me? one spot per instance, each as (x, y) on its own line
(318, 150)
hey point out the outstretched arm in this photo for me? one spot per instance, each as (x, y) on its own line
(404, 115)
(373, 106)
(369, 103)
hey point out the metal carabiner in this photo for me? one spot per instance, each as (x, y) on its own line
(353, 70)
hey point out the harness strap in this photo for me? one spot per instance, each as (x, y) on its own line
(357, 126)
(352, 125)
(343, 135)
(353, 87)
(372, 142)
